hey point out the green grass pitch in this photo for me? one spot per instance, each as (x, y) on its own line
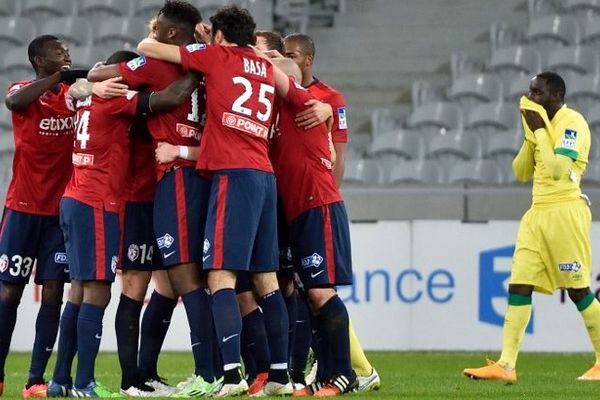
(405, 375)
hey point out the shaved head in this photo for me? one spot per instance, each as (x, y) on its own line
(289, 67)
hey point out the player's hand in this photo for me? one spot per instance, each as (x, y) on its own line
(202, 33)
(272, 54)
(316, 113)
(533, 120)
(166, 153)
(110, 88)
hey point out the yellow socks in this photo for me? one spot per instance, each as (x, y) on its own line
(359, 361)
(589, 308)
(515, 322)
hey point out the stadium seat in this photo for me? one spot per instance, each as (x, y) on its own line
(489, 118)
(7, 143)
(502, 35)
(10, 8)
(504, 148)
(591, 32)
(86, 56)
(117, 33)
(579, 60)
(387, 119)
(364, 171)
(16, 65)
(390, 148)
(15, 31)
(539, 8)
(475, 172)
(426, 91)
(549, 32)
(592, 174)
(294, 13)
(147, 8)
(416, 171)
(104, 8)
(436, 117)
(4, 84)
(43, 10)
(594, 155)
(583, 92)
(474, 89)
(358, 144)
(583, 9)
(463, 64)
(74, 31)
(593, 117)
(454, 146)
(516, 88)
(515, 61)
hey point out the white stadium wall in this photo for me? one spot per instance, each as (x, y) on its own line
(420, 285)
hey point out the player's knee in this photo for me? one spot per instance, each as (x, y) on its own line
(97, 293)
(265, 282)
(163, 285)
(247, 302)
(576, 295)
(185, 278)
(135, 284)
(319, 296)
(52, 292)
(11, 293)
(286, 284)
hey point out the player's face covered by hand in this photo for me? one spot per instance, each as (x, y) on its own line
(57, 57)
(539, 92)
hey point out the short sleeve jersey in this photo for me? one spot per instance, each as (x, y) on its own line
(325, 93)
(43, 135)
(239, 106)
(141, 179)
(181, 126)
(101, 151)
(301, 159)
(571, 138)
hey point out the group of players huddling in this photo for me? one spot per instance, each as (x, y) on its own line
(172, 175)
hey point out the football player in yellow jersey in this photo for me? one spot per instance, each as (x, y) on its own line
(553, 243)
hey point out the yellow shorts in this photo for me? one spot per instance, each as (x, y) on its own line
(553, 247)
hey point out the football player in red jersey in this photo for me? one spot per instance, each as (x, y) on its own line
(241, 223)
(181, 195)
(301, 48)
(89, 216)
(43, 127)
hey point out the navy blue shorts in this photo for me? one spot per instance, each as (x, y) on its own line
(139, 242)
(27, 239)
(180, 216)
(241, 226)
(92, 240)
(320, 239)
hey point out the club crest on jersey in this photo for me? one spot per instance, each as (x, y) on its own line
(312, 261)
(133, 252)
(3, 263)
(165, 241)
(136, 63)
(569, 267)
(342, 123)
(569, 140)
(60, 258)
(195, 47)
(113, 264)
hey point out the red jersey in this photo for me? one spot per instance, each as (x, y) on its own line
(325, 93)
(181, 126)
(301, 159)
(141, 178)
(101, 151)
(240, 92)
(43, 135)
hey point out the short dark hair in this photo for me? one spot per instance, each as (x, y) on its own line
(554, 81)
(121, 56)
(236, 24)
(181, 12)
(37, 48)
(274, 40)
(306, 43)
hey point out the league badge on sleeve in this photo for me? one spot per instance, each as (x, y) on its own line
(136, 63)
(195, 47)
(570, 139)
(342, 124)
